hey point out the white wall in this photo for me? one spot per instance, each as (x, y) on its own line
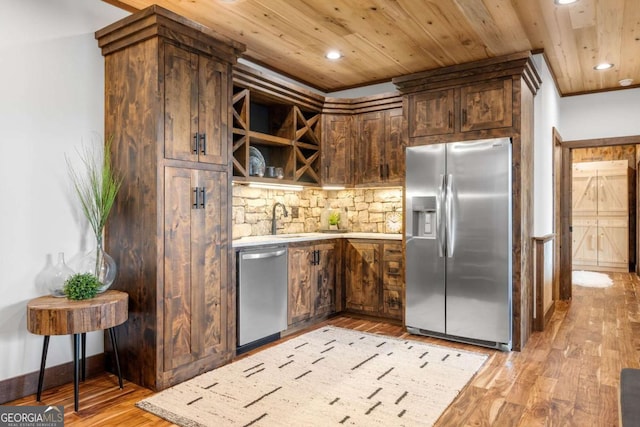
(546, 116)
(600, 115)
(51, 102)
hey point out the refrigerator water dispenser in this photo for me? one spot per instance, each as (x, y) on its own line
(424, 217)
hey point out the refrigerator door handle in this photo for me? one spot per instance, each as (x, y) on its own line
(449, 216)
(439, 219)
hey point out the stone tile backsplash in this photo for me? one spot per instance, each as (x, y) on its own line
(367, 210)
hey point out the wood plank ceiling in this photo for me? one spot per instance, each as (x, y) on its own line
(382, 39)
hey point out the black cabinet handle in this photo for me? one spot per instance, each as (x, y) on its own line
(450, 119)
(194, 147)
(202, 196)
(386, 170)
(203, 143)
(195, 198)
(464, 116)
(381, 171)
(315, 257)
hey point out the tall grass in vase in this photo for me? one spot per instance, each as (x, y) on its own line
(96, 185)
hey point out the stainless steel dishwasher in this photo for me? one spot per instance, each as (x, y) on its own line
(262, 295)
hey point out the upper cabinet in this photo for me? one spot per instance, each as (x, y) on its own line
(471, 107)
(195, 106)
(337, 149)
(431, 112)
(600, 188)
(275, 125)
(486, 105)
(380, 148)
(363, 141)
(477, 100)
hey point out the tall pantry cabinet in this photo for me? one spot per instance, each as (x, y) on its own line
(167, 96)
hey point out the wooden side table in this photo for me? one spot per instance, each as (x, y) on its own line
(60, 316)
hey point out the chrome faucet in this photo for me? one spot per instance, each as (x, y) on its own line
(273, 216)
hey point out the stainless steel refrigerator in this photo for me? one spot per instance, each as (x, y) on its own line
(458, 241)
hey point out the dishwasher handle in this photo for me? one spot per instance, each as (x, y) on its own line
(264, 255)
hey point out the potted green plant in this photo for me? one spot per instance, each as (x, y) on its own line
(81, 286)
(334, 220)
(97, 187)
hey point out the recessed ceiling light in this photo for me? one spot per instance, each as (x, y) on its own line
(625, 82)
(563, 2)
(333, 54)
(603, 66)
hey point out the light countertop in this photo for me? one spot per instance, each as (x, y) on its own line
(305, 237)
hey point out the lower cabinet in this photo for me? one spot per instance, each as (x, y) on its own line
(312, 280)
(194, 303)
(374, 283)
(600, 243)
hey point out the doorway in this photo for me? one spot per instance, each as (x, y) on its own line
(627, 148)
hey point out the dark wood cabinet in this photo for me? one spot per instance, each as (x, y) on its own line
(195, 106)
(379, 148)
(486, 105)
(374, 283)
(167, 92)
(337, 149)
(312, 280)
(392, 281)
(195, 274)
(471, 107)
(362, 266)
(431, 112)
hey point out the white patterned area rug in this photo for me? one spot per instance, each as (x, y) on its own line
(329, 376)
(590, 279)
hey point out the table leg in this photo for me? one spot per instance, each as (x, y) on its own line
(114, 344)
(45, 348)
(76, 370)
(84, 355)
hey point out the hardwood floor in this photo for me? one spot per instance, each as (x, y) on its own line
(567, 375)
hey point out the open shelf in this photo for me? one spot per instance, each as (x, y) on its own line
(286, 135)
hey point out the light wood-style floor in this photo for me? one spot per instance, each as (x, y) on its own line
(567, 375)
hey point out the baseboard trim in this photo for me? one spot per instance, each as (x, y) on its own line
(27, 384)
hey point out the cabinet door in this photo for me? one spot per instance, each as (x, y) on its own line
(392, 281)
(195, 260)
(370, 148)
(213, 109)
(195, 107)
(613, 243)
(336, 149)
(325, 279)
(180, 103)
(585, 241)
(613, 192)
(362, 277)
(394, 147)
(584, 193)
(209, 262)
(431, 113)
(486, 105)
(179, 295)
(301, 278)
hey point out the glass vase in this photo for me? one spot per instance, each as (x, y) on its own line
(100, 264)
(59, 275)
